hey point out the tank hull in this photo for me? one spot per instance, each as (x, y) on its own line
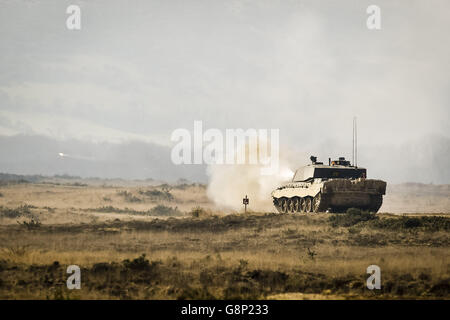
(335, 195)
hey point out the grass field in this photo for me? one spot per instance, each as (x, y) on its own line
(171, 242)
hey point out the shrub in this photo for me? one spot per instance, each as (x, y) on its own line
(442, 288)
(30, 225)
(129, 197)
(410, 223)
(102, 267)
(76, 184)
(161, 210)
(199, 212)
(155, 194)
(108, 209)
(140, 263)
(351, 217)
(311, 253)
(17, 212)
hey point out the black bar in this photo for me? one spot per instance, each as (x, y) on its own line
(279, 309)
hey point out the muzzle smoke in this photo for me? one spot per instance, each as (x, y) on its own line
(229, 184)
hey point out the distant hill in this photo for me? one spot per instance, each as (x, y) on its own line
(38, 155)
(424, 160)
(10, 179)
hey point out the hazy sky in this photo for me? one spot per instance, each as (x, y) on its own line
(138, 70)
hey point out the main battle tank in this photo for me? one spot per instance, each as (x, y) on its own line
(333, 188)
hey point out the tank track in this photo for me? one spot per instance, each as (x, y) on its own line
(319, 203)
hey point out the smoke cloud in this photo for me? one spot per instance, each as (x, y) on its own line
(229, 184)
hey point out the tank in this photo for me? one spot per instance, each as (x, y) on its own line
(329, 188)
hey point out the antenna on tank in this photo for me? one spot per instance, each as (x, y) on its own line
(355, 144)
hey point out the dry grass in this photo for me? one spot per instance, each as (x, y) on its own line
(58, 204)
(206, 254)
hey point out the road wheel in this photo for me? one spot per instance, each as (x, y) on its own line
(302, 205)
(308, 204)
(316, 202)
(284, 205)
(290, 205)
(297, 204)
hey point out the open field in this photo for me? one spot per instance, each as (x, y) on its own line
(171, 242)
